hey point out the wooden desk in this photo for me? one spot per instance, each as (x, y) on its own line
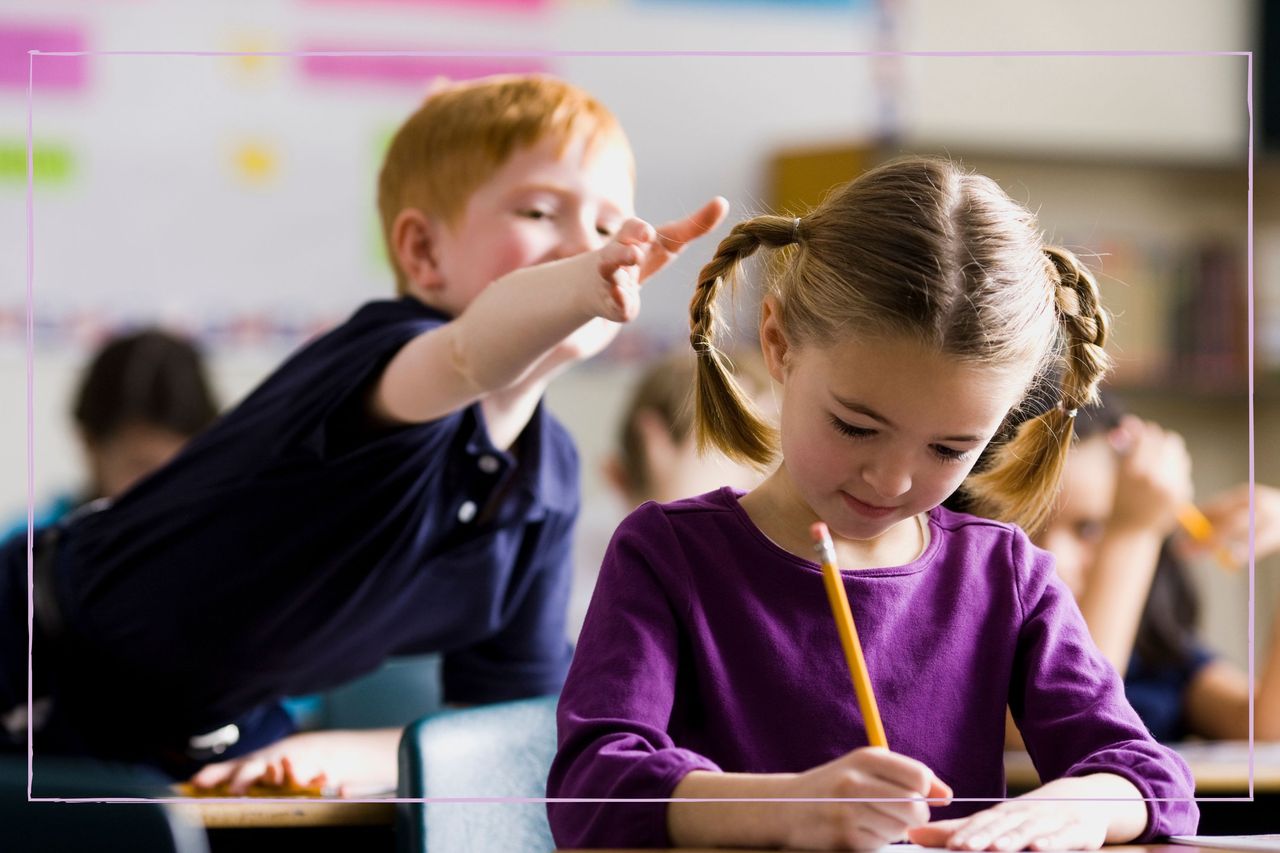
(252, 814)
(1220, 768)
(317, 826)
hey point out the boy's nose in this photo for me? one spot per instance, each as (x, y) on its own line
(579, 237)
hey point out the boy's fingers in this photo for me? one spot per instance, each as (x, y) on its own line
(635, 231)
(675, 235)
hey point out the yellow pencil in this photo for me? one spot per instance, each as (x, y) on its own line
(848, 635)
(1199, 528)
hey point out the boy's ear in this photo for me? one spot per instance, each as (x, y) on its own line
(413, 241)
(773, 341)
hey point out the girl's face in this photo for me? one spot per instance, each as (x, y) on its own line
(875, 431)
(1084, 505)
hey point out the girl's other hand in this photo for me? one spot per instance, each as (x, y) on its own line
(1076, 813)
(1018, 825)
(1153, 479)
(871, 773)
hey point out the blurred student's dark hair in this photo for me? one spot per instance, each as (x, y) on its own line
(150, 377)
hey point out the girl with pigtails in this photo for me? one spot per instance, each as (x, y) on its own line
(907, 321)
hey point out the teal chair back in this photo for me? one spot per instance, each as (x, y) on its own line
(397, 693)
(500, 750)
(79, 827)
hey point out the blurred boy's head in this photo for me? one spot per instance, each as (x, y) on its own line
(656, 456)
(496, 174)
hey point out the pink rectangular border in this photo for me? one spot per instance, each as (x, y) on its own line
(32, 54)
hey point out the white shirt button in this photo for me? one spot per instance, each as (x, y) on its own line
(467, 511)
(488, 464)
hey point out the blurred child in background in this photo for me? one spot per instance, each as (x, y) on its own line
(142, 396)
(656, 457)
(1118, 546)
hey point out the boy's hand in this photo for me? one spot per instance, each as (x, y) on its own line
(870, 772)
(620, 262)
(638, 251)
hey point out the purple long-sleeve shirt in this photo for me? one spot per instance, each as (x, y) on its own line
(708, 647)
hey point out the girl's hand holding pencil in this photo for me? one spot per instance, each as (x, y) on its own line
(893, 789)
(870, 772)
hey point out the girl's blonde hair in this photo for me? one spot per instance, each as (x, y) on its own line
(919, 248)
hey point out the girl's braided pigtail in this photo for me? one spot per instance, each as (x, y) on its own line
(724, 415)
(1022, 482)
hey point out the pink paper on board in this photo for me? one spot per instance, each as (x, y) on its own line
(411, 70)
(512, 5)
(65, 73)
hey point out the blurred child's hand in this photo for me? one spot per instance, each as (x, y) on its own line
(1229, 514)
(1153, 479)
(870, 772)
(353, 761)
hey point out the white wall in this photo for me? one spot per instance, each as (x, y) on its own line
(156, 221)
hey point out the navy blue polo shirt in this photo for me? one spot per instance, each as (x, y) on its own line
(296, 544)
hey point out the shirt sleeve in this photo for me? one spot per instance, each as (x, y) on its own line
(1070, 707)
(617, 701)
(530, 654)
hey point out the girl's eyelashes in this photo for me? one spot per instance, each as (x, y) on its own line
(535, 213)
(851, 430)
(950, 454)
(946, 454)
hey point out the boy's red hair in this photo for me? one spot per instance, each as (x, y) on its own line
(463, 133)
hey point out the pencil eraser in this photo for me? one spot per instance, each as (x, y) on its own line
(818, 530)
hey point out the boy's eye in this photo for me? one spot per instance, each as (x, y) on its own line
(606, 230)
(851, 430)
(535, 213)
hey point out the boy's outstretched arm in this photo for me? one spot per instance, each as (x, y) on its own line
(518, 321)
